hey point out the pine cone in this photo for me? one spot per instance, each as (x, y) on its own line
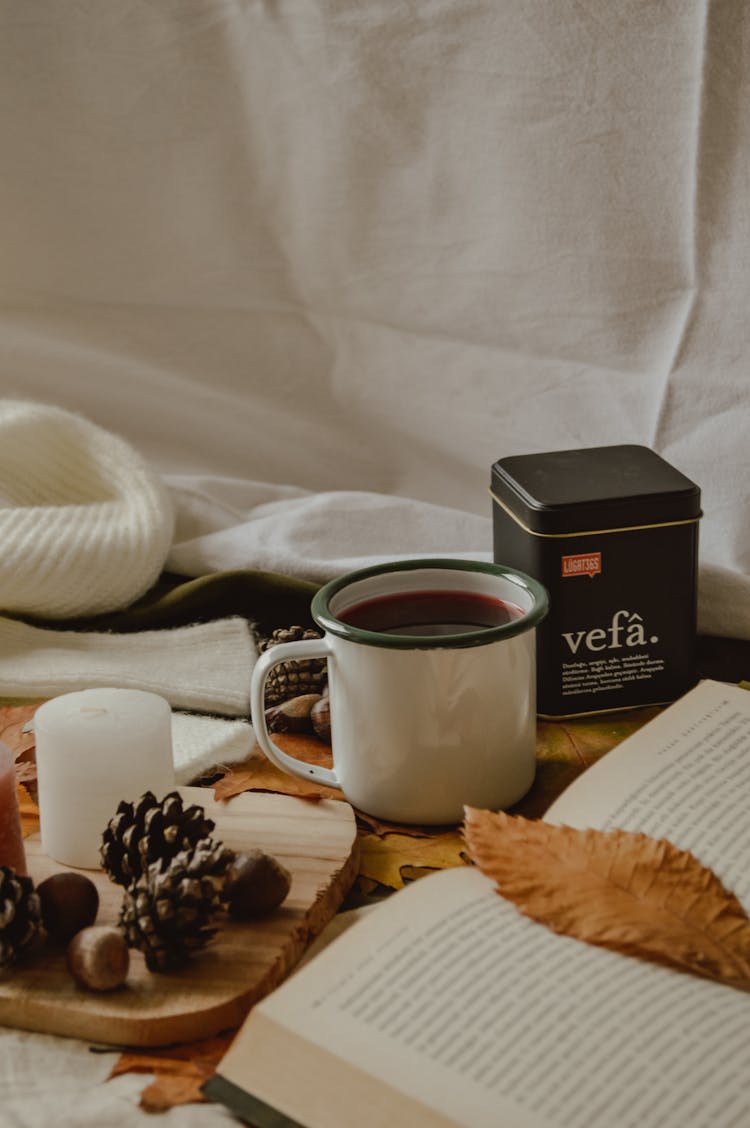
(20, 914)
(294, 678)
(167, 914)
(150, 831)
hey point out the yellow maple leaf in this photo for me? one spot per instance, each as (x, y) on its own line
(390, 858)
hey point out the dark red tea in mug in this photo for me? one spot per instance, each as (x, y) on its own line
(430, 613)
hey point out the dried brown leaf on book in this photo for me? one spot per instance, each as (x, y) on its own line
(617, 889)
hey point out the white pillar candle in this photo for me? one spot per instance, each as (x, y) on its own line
(94, 748)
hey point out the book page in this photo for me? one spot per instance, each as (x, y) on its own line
(684, 776)
(451, 997)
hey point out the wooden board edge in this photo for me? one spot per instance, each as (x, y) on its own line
(127, 1031)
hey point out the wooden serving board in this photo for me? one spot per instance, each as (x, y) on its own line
(315, 841)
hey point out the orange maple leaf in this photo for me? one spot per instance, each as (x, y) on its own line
(180, 1087)
(179, 1071)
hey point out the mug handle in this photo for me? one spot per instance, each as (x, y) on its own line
(305, 648)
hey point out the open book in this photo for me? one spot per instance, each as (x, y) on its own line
(445, 1007)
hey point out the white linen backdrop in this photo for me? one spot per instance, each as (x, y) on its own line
(324, 261)
(320, 245)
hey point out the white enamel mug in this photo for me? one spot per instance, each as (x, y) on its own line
(421, 724)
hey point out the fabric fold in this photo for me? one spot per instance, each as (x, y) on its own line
(85, 522)
(205, 668)
(204, 744)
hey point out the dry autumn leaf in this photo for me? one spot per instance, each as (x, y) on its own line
(374, 825)
(564, 750)
(12, 720)
(391, 858)
(582, 741)
(620, 890)
(259, 774)
(168, 1090)
(179, 1071)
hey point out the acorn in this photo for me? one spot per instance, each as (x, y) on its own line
(98, 958)
(292, 715)
(69, 902)
(320, 717)
(259, 885)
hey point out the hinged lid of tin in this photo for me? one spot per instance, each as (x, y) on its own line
(593, 489)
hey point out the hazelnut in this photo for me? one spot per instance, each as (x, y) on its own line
(98, 958)
(259, 885)
(320, 716)
(292, 715)
(69, 902)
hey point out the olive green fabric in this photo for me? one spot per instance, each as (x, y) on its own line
(265, 599)
(269, 600)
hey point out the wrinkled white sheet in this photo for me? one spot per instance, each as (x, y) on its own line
(47, 1081)
(375, 246)
(224, 524)
(312, 535)
(323, 246)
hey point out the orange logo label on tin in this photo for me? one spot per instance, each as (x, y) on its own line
(586, 564)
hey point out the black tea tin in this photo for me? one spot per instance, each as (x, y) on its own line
(612, 533)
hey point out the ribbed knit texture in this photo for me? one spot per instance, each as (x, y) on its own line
(206, 667)
(85, 525)
(201, 744)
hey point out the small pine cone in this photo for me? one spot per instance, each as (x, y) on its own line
(20, 914)
(169, 912)
(294, 678)
(149, 831)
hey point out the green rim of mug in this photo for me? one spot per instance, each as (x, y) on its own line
(483, 636)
